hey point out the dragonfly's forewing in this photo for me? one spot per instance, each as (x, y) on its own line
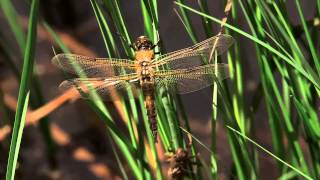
(194, 55)
(111, 89)
(93, 67)
(188, 80)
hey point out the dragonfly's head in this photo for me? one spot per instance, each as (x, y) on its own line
(143, 43)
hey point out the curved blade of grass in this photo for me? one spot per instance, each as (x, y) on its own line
(289, 175)
(205, 22)
(23, 99)
(236, 75)
(122, 169)
(16, 137)
(149, 17)
(13, 20)
(163, 125)
(108, 38)
(36, 99)
(269, 153)
(310, 119)
(311, 125)
(114, 10)
(314, 54)
(214, 116)
(239, 149)
(105, 30)
(187, 22)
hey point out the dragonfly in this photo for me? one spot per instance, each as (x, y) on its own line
(182, 71)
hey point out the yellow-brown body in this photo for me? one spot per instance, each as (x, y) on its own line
(143, 59)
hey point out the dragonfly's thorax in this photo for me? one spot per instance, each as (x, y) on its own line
(145, 71)
(144, 55)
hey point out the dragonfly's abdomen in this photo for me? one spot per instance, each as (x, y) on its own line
(148, 91)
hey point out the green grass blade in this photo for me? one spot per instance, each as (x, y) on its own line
(214, 116)
(23, 99)
(108, 38)
(239, 149)
(269, 153)
(186, 20)
(36, 99)
(206, 23)
(122, 169)
(122, 143)
(311, 125)
(13, 20)
(103, 26)
(148, 15)
(16, 138)
(314, 54)
(113, 9)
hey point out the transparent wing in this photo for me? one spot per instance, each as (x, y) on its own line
(93, 67)
(184, 81)
(194, 55)
(108, 89)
